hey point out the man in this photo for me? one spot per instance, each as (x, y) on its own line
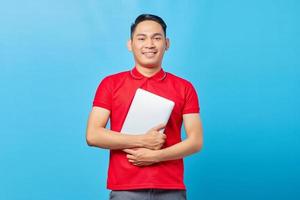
(150, 165)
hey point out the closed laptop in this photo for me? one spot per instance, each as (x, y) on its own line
(146, 111)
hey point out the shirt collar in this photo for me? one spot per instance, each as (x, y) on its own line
(159, 76)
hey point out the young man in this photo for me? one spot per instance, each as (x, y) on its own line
(150, 165)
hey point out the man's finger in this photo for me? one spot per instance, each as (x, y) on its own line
(131, 157)
(129, 151)
(141, 164)
(158, 127)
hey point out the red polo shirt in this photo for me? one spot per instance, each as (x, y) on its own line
(115, 93)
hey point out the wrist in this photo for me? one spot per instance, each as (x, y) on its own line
(140, 141)
(160, 155)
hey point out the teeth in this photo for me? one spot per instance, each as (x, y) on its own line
(149, 54)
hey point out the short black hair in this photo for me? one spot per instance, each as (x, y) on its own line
(145, 17)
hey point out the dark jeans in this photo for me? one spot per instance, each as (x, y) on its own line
(148, 194)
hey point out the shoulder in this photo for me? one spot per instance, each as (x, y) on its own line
(110, 81)
(112, 78)
(179, 80)
(116, 76)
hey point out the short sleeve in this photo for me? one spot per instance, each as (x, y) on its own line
(191, 104)
(103, 94)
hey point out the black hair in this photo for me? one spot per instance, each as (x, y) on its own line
(144, 17)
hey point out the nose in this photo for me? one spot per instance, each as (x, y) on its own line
(149, 43)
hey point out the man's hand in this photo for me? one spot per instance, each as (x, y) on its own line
(153, 139)
(142, 156)
(192, 144)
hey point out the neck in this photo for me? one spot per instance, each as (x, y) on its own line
(148, 72)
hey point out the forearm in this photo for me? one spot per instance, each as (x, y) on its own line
(180, 150)
(107, 139)
(193, 144)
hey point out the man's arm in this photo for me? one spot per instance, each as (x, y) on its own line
(97, 135)
(192, 144)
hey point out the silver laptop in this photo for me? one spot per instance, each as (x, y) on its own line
(146, 111)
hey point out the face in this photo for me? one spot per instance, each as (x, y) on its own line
(148, 44)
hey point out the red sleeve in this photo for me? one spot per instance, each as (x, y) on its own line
(191, 104)
(103, 94)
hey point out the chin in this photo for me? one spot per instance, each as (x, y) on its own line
(150, 65)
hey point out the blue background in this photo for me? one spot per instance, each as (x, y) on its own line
(241, 56)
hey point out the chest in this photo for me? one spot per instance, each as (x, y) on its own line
(123, 95)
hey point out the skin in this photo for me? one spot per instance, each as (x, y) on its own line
(99, 136)
(193, 144)
(148, 46)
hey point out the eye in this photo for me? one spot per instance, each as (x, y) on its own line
(157, 38)
(141, 39)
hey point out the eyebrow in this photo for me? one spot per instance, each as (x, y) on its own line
(155, 34)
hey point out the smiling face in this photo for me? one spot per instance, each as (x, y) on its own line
(148, 44)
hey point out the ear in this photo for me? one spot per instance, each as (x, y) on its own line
(167, 44)
(129, 46)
